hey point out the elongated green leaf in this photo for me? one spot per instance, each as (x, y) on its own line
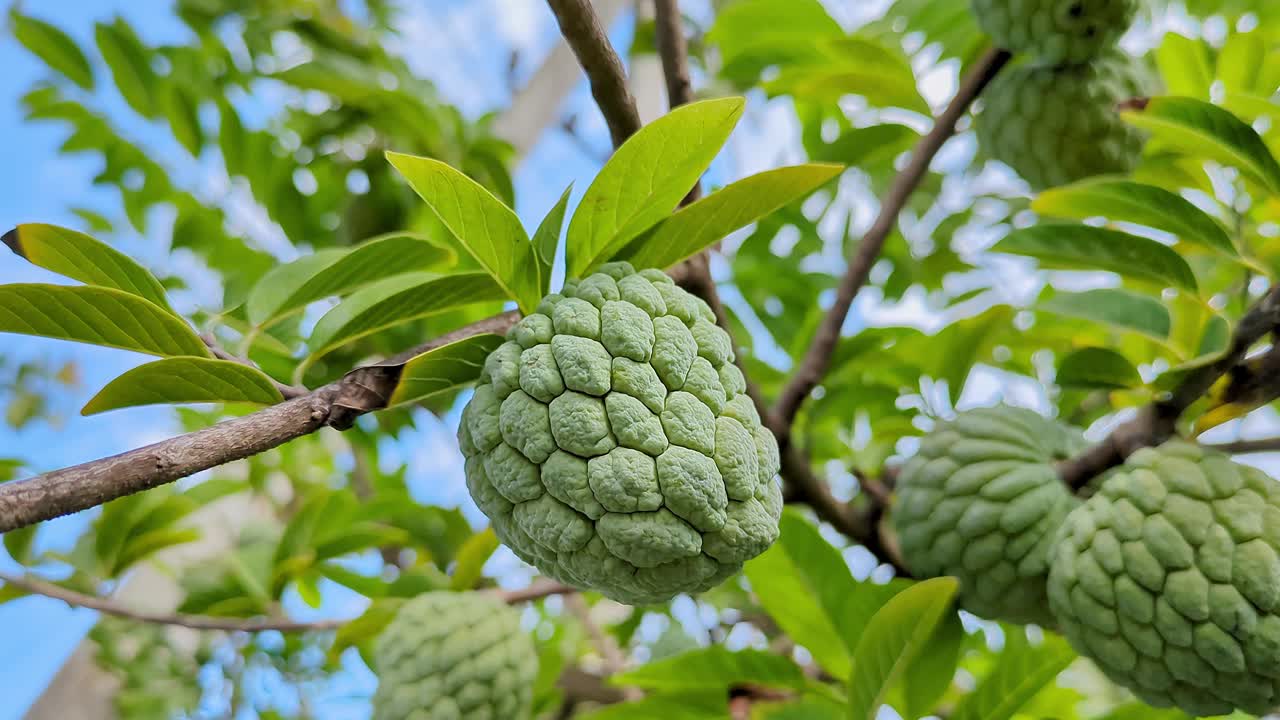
(687, 705)
(646, 178)
(53, 46)
(1021, 672)
(185, 380)
(693, 228)
(1133, 202)
(853, 65)
(796, 581)
(80, 257)
(929, 676)
(892, 640)
(339, 271)
(1115, 308)
(130, 65)
(445, 368)
(1200, 129)
(472, 556)
(18, 543)
(1084, 247)
(1097, 368)
(755, 34)
(1185, 65)
(547, 237)
(362, 631)
(489, 230)
(183, 112)
(399, 300)
(715, 667)
(870, 146)
(98, 316)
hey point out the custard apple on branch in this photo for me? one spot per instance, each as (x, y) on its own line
(1056, 32)
(612, 445)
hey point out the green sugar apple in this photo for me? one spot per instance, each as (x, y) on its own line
(1056, 32)
(982, 501)
(612, 444)
(454, 656)
(1169, 578)
(1056, 125)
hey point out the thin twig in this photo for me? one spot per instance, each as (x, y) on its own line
(1245, 447)
(589, 41)
(818, 358)
(107, 606)
(288, 391)
(610, 653)
(1157, 422)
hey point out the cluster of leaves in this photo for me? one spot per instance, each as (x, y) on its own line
(1185, 244)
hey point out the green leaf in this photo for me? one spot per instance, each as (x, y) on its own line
(686, 705)
(1020, 673)
(892, 640)
(399, 300)
(130, 65)
(803, 582)
(472, 556)
(1084, 247)
(755, 34)
(338, 271)
(702, 223)
(929, 676)
(185, 380)
(98, 316)
(853, 65)
(1203, 130)
(80, 257)
(646, 178)
(442, 369)
(143, 545)
(11, 592)
(18, 543)
(1185, 66)
(183, 112)
(53, 46)
(1113, 307)
(715, 667)
(1097, 368)
(363, 630)
(308, 587)
(870, 146)
(489, 230)
(1126, 201)
(547, 237)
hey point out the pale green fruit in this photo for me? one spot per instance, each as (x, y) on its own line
(612, 444)
(454, 656)
(982, 501)
(1056, 32)
(1057, 125)
(1169, 579)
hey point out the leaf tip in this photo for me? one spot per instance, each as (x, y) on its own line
(14, 242)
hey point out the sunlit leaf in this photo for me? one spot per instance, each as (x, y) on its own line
(80, 257)
(488, 230)
(700, 224)
(1097, 368)
(185, 380)
(1185, 65)
(130, 65)
(472, 556)
(1020, 673)
(929, 675)
(53, 46)
(442, 369)
(547, 237)
(1113, 307)
(646, 178)
(715, 666)
(97, 316)
(183, 112)
(1084, 247)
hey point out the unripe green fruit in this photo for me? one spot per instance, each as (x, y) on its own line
(454, 656)
(612, 444)
(1169, 579)
(982, 501)
(1056, 32)
(1056, 125)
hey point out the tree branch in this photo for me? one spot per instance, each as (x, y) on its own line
(288, 391)
(1158, 421)
(107, 606)
(590, 44)
(1245, 447)
(610, 653)
(816, 361)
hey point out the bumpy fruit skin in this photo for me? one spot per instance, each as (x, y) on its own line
(981, 501)
(1056, 125)
(454, 656)
(611, 442)
(1056, 32)
(1169, 578)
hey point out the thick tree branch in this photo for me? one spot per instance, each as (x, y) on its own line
(1158, 421)
(107, 606)
(589, 41)
(816, 361)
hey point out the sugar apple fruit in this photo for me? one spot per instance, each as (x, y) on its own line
(454, 656)
(981, 501)
(1056, 125)
(611, 442)
(1056, 32)
(1169, 578)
